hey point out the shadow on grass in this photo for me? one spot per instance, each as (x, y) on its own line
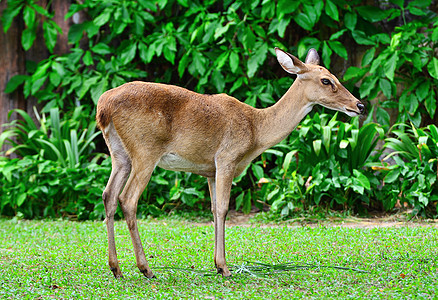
(259, 269)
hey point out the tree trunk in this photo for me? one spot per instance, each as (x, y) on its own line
(13, 58)
(12, 62)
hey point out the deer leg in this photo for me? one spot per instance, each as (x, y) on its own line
(121, 166)
(224, 179)
(212, 188)
(137, 182)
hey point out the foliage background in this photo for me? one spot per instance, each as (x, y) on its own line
(385, 52)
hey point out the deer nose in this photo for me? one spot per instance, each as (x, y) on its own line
(361, 107)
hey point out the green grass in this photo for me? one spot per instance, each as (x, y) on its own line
(68, 260)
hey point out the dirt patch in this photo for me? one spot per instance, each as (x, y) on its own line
(235, 218)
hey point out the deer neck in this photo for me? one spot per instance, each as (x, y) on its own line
(278, 121)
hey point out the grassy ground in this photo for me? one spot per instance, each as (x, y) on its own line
(68, 260)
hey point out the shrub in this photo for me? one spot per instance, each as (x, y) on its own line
(57, 172)
(324, 165)
(412, 177)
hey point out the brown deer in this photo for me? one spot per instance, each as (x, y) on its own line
(150, 124)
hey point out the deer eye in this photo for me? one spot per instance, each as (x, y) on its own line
(325, 81)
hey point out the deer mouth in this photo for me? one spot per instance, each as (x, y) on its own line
(351, 113)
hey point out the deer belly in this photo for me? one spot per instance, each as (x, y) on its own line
(174, 162)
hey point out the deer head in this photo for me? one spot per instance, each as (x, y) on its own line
(320, 86)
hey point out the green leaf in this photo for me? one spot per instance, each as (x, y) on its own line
(350, 20)
(148, 4)
(75, 33)
(430, 104)
(385, 86)
(55, 78)
(182, 66)
(363, 180)
(239, 200)
(50, 33)
(432, 67)
(313, 11)
(343, 144)
(326, 54)
(14, 83)
(434, 35)
(257, 59)
(138, 26)
(247, 204)
(86, 85)
(353, 72)
(101, 49)
(368, 57)
(218, 80)
(98, 89)
(317, 146)
(40, 9)
(21, 198)
(361, 38)
(234, 61)
(339, 49)
(28, 37)
(395, 40)
(200, 63)
(392, 176)
(288, 159)
(220, 61)
(382, 116)
(258, 171)
(87, 58)
(104, 17)
(248, 39)
(373, 13)
(279, 25)
(128, 53)
(220, 30)
(38, 83)
(337, 35)
(29, 16)
(331, 10)
(391, 65)
(397, 2)
(327, 137)
(286, 7)
(367, 85)
(422, 91)
(304, 21)
(8, 15)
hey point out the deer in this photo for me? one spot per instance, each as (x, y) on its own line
(146, 125)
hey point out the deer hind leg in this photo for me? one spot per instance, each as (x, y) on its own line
(224, 179)
(139, 178)
(121, 166)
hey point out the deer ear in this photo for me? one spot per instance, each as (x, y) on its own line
(290, 63)
(312, 57)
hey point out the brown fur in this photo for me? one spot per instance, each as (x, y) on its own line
(216, 136)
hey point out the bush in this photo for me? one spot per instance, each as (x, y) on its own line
(412, 179)
(227, 46)
(57, 172)
(324, 165)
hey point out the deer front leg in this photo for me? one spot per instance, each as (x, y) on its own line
(212, 188)
(224, 179)
(128, 201)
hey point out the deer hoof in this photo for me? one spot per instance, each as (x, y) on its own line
(117, 273)
(148, 274)
(224, 272)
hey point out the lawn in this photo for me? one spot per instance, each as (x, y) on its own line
(68, 260)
